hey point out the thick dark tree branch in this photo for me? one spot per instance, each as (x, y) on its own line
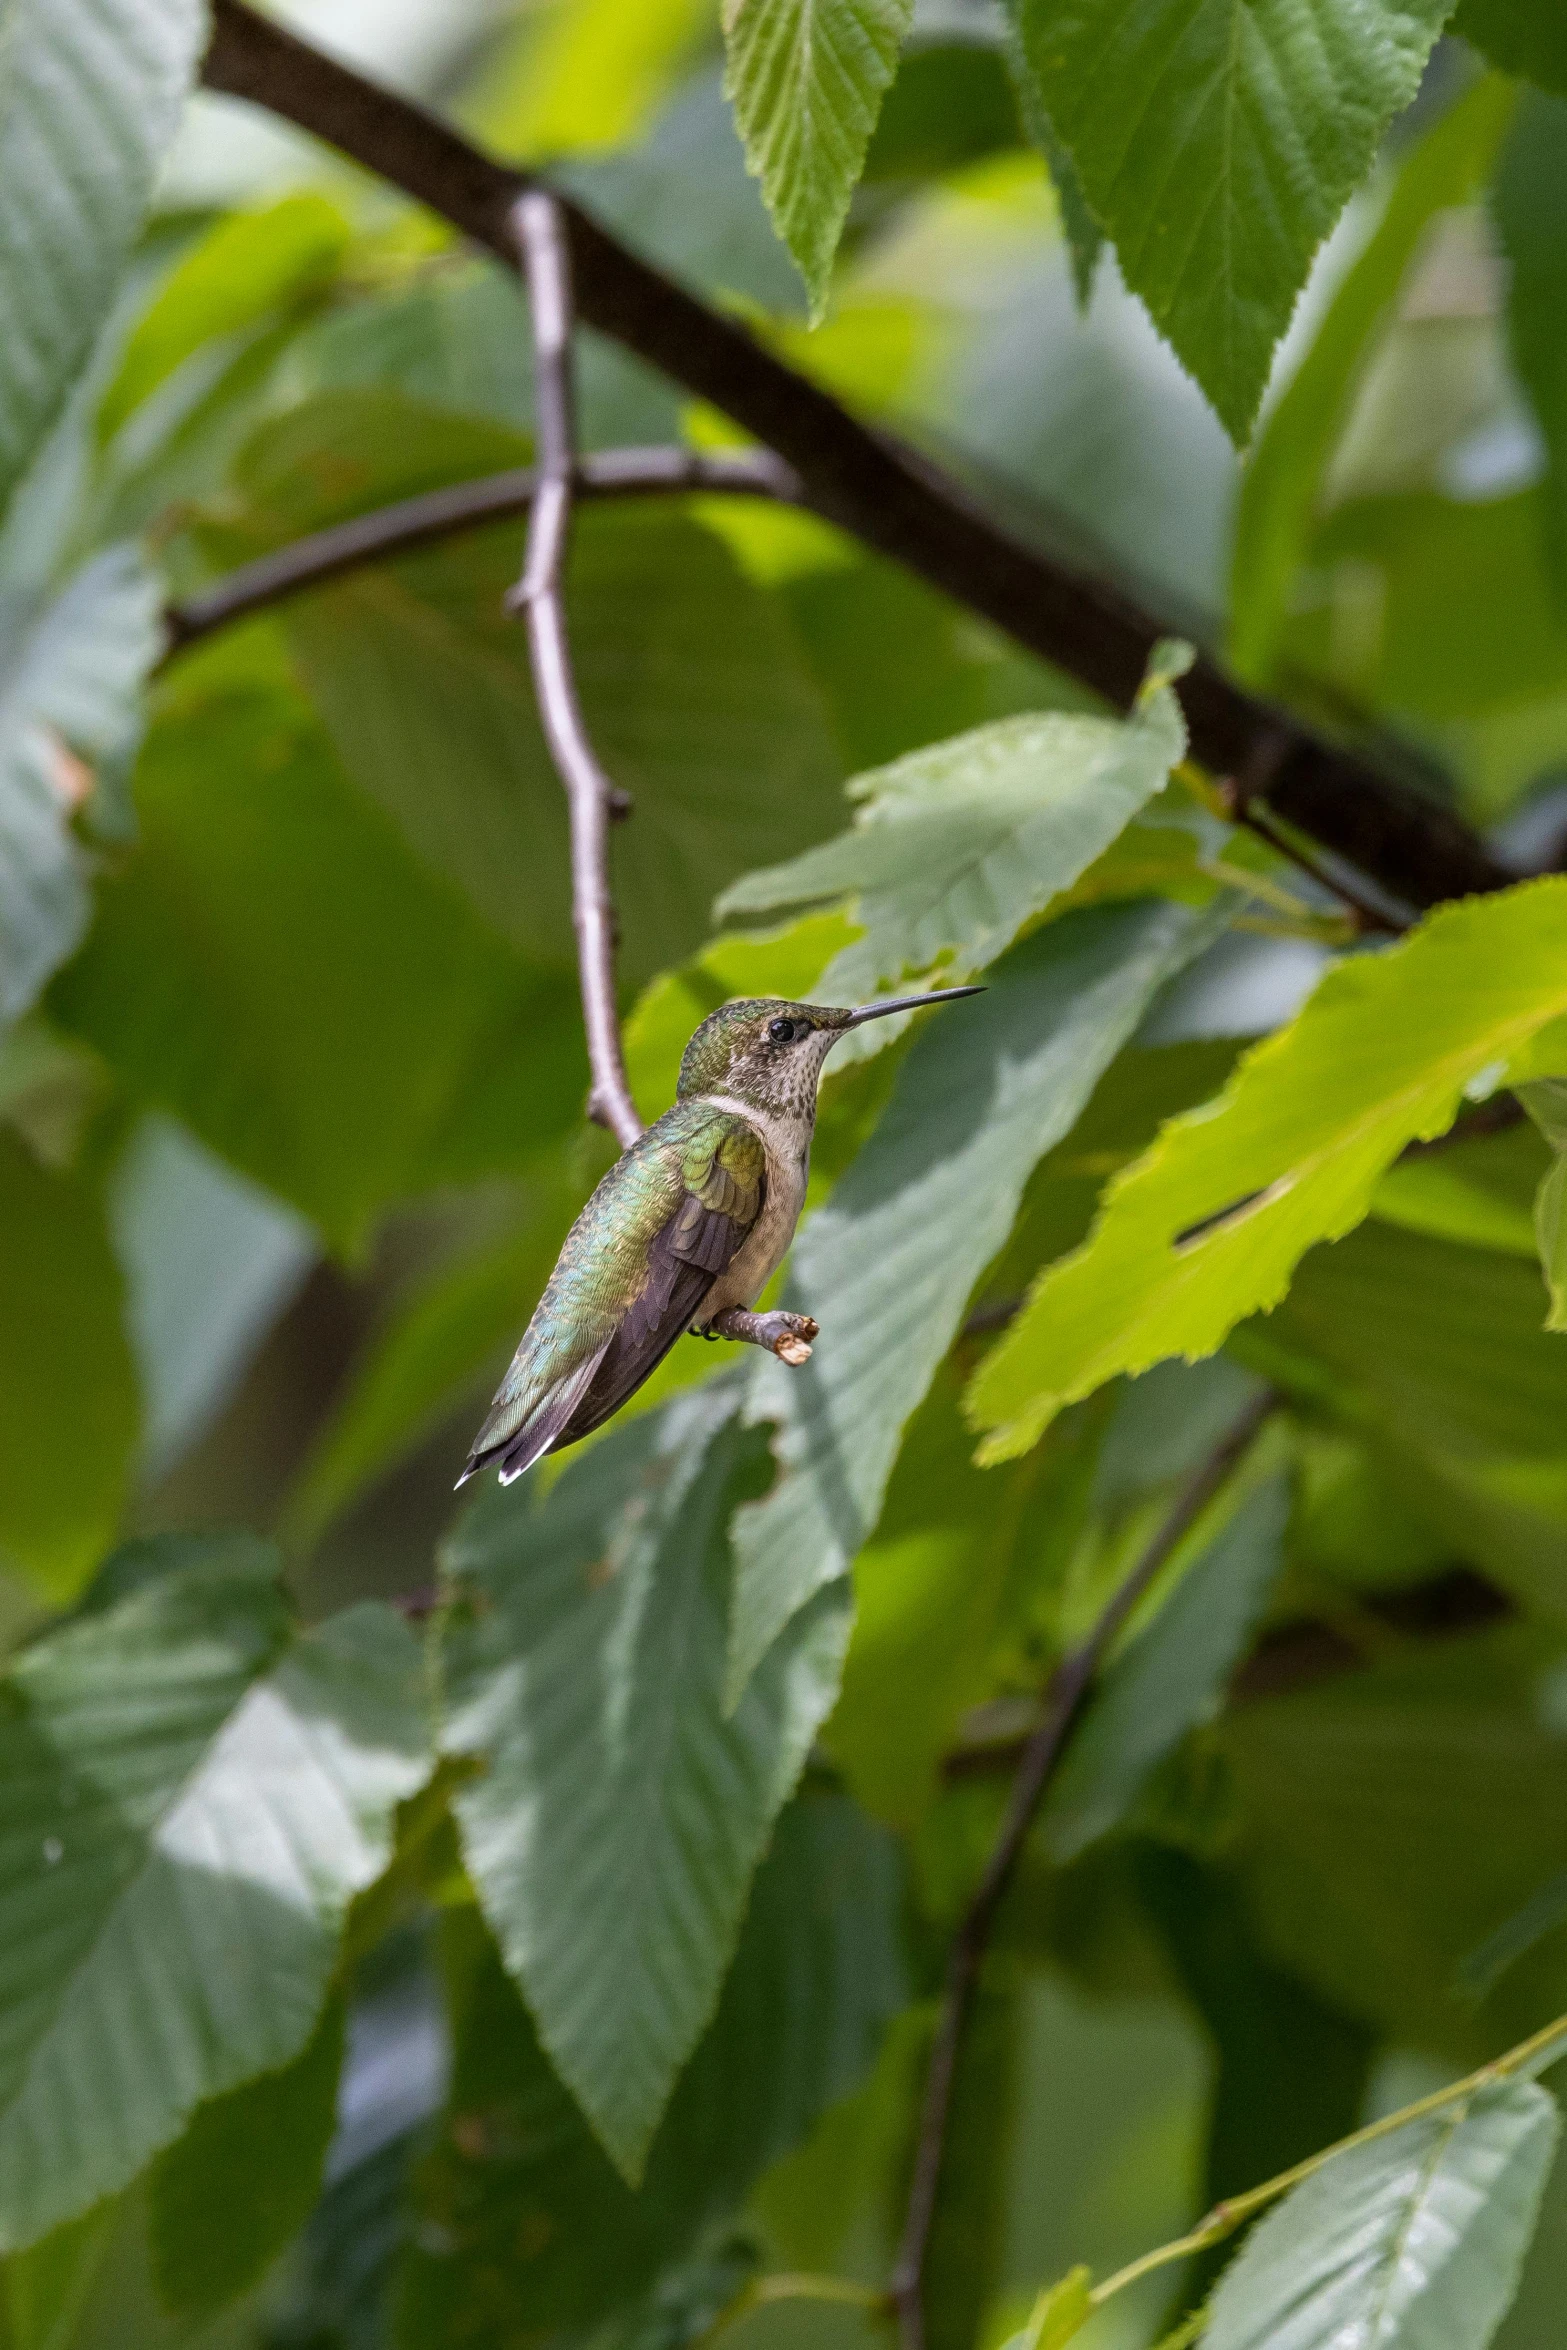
(1069, 1687)
(884, 493)
(540, 597)
(441, 514)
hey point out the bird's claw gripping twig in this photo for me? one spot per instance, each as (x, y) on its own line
(788, 1336)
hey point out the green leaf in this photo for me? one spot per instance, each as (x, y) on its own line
(1084, 237)
(92, 95)
(70, 703)
(1209, 1224)
(527, 2209)
(587, 1676)
(955, 847)
(1173, 1674)
(46, 2288)
(248, 268)
(67, 1384)
(1546, 1102)
(1062, 2310)
(1521, 36)
(888, 1264)
(238, 2187)
(1541, 1914)
(1414, 2240)
(195, 1794)
(1530, 203)
(693, 689)
(806, 79)
(1478, 1193)
(1217, 141)
(1281, 488)
(273, 966)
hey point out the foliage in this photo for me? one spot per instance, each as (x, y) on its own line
(518, 1922)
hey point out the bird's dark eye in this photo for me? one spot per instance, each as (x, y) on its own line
(781, 1031)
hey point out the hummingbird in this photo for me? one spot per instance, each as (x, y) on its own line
(694, 1218)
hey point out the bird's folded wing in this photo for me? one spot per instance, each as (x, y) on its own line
(718, 1182)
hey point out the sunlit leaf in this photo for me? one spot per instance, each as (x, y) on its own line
(195, 1793)
(1210, 1223)
(1217, 141)
(888, 1263)
(587, 1675)
(1416, 2239)
(806, 79)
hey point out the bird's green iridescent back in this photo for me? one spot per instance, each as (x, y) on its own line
(695, 1151)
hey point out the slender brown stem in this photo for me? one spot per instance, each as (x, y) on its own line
(1069, 1686)
(888, 495)
(539, 596)
(441, 514)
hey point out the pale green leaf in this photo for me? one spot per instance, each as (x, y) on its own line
(239, 276)
(957, 846)
(888, 1264)
(1282, 486)
(227, 2197)
(194, 1795)
(1530, 202)
(1217, 142)
(806, 79)
(1209, 1224)
(68, 1400)
(1172, 1676)
(587, 1676)
(1062, 2310)
(1414, 2241)
(90, 95)
(71, 675)
(578, 76)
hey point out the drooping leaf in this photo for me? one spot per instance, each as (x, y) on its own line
(1282, 485)
(91, 97)
(1530, 202)
(194, 1794)
(1172, 1676)
(1546, 1102)
(1084, 236)
(1414, 2240)
(956, 846)
(68, 1400)
(1210, 1223)
(1217, 141)
(1521, 36)
(528, 2210)
(887, 1265)
(274, 967)
(228, 2196)
(806, 79)
(587, 1676)
(70, 687)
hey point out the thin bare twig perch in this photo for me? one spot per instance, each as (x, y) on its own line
(539, 596)
(412, 523)
(1069, 1687)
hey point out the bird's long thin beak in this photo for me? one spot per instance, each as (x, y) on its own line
(907, 1003)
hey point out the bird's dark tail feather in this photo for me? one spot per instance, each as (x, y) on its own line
(521, 1447)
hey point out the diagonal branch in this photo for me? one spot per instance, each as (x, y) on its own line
(887, 495)
(539, 597)
(1069, 1687)
(412, 523)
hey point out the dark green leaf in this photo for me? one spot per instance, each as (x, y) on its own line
(1217, 141)
(1540, 1915)
(194, 1796)
(230, 2194)
(1173, 1674)
(67, 1384)
(888, 1264)
(587, 1674)
(1530, 199)
(1521, 36)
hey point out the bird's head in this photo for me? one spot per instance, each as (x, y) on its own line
(768, 1052)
